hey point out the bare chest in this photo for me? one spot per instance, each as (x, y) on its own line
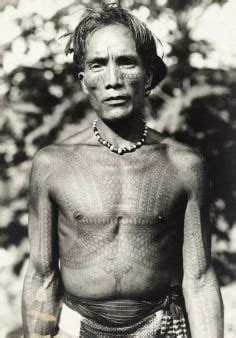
(109, 184)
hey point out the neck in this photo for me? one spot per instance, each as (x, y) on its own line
(121, 133)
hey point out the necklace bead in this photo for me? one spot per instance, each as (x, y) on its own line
(120, 150)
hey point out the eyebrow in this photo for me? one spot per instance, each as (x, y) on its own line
(96, 60)
(103, 60)
(132, 58)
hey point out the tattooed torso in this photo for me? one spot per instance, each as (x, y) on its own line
(120, 220)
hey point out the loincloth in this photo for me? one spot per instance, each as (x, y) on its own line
(123, 318)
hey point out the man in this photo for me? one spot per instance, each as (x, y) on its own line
(123, 209)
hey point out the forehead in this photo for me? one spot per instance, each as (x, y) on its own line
(115, 39)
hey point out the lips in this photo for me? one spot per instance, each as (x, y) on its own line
(116, 100)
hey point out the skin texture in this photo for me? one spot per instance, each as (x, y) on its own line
(113, 69)
(123, 198)
(200, 286)
(123, 226)
(130, 78)
(42, 285)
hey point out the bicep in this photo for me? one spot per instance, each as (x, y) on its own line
(42, 219)
(197, 241)
(197, 229)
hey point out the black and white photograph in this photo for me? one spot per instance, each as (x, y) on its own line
(118, 169)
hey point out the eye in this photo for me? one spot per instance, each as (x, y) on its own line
(127, 62)
(128, 65)
(96, 66)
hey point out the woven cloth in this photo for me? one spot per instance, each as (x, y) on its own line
(128, 318)
(73, 325)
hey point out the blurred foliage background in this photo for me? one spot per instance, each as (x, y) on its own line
(42, 102)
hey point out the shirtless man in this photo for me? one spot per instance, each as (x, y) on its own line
(118, 213)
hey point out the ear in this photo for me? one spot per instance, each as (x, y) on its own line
(148, 81)
(81, 78)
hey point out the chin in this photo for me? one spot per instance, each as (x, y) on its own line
(116, 115)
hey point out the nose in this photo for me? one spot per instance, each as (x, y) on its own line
(113, 76)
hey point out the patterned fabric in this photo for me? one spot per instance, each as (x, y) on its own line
(114, 313)
(148, 327)
(128, 318)
(73, 325)
(173, 322)
(174, 327)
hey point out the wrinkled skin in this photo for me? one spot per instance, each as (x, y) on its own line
(113, 69)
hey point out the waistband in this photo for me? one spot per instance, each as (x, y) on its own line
(113, 312)
(118, 313)
(72, 323)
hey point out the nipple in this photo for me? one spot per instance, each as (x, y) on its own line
(160, 217)
(76, 215)
(117, 228)
(119, 218)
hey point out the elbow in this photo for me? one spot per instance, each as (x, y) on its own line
(193, 282)
(200, 279)
(41, 270)
(37, 277)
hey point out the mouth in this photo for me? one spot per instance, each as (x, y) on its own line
(116, 100)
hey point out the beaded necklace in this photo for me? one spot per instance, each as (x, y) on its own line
(120, 150)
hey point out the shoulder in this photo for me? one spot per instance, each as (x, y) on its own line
(181, 155)
(188, 162)
(45, 156)
(57, 154)
(41, 171)
(184, 157)
(44, 163)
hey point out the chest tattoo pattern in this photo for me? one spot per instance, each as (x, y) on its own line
(147, 189)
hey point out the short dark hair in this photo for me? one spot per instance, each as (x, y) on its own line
(110, 15)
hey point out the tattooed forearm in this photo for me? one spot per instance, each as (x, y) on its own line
(198, 171)
(42, 291)
(41, 303)
(200, 286)
(204, 306)
(196, 251)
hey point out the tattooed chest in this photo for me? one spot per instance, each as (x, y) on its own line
(115, 243)
(144, 187)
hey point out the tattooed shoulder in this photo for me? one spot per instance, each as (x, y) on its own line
(48, 158)
(194, 175)
(44, 155)
(184, 157)
(43, 167)
(189, 164)
(42, 164)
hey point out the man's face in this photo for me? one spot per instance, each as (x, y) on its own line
(114, 76)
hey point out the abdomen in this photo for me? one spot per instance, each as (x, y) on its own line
(118, 262)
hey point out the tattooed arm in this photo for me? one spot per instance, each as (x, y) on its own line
(42, 285)
(200, 286)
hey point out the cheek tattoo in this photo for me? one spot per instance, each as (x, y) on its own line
(101, 79)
